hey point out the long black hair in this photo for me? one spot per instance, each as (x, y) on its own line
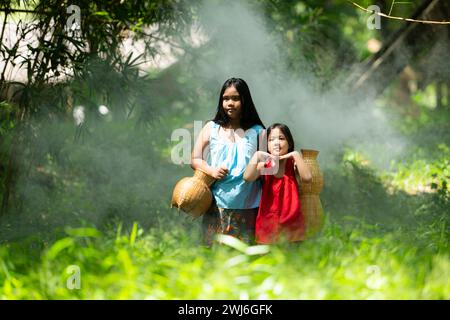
(249, 115)
(287, 133)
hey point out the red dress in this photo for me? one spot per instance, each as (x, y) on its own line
(280, 215)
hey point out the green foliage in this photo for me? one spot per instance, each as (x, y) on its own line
(412, 192)
(114, 174)
(7, 116)
(341, 264)
(420, 175)
(318, 36)
(64, 71)
(420, 114)
(90, 64)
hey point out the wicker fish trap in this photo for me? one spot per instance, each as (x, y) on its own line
(192, 194)
(309, 194)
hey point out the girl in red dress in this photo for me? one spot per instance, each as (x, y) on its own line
(280, 215)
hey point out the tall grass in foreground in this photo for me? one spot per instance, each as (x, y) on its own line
(357, 262)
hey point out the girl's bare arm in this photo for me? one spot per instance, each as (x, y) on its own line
(251, 172)
(303, 170)
(197, 161)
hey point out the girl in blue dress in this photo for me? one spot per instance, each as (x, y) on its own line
(223, 150)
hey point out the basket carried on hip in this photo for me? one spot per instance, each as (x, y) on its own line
(192, 194)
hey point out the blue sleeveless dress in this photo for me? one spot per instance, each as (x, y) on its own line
(232, 192)
(236, 201)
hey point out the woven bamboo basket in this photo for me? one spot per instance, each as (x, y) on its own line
(192, 194)
(309, 194)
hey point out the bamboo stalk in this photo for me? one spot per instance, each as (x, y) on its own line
(2, 82)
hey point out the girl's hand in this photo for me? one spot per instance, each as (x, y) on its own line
(260, 166)
(292, 154)
(263, 156)
(219, 173)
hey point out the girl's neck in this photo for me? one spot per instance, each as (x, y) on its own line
(234, 124)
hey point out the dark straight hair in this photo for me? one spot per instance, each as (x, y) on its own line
(249, 115)
(287, 133)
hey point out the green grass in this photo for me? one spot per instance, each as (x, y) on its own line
(358, 262)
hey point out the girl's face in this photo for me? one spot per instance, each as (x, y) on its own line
(277, 144)
(231, 103)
